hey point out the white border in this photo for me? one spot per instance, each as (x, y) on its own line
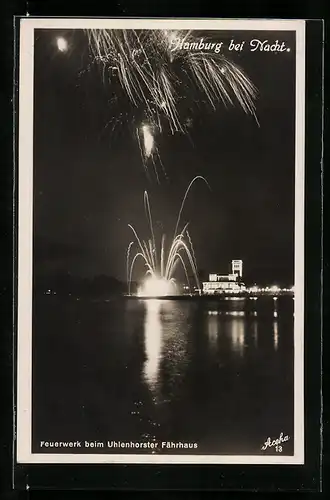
(25, 190)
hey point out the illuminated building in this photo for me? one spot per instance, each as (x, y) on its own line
(237, 268)
(229, 283)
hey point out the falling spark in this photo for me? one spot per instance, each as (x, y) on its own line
(148, 148)
(148, 140)
(161, 262)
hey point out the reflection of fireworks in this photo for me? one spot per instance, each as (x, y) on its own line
(153, 342)
(161, 263)
(156, 75)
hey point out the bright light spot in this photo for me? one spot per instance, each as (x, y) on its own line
(62, 44)
(155, 287)
(148, 140)
(235, 313)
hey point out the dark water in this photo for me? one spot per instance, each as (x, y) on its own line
(216, 374)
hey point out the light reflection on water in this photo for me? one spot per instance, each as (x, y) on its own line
(275, 335)
(255, 332)
(165, 340)
(167, 334)
(182, 370)
(237, 327)
(212, 327)
(237, 331)
(153, 341)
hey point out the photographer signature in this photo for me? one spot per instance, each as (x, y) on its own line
(275, 443)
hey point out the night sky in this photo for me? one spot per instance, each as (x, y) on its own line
(89, 180)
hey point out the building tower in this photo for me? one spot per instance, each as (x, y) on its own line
(237, 268)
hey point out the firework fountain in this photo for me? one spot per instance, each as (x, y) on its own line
(157, 76)
(161, 260)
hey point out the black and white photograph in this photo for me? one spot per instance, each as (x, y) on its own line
(160, 241)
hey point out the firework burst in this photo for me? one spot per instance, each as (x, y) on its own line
(161, 261)
(145, 64)
(156, 75)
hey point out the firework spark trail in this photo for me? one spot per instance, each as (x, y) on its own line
(148, 140)
(184, 268)
(148, 149)
(192, 248)
(156, 78)
(127, 261)
(143, 60)
(162, 266)
(178, 245)
(149, 217)
(217, 82)
(185, 197)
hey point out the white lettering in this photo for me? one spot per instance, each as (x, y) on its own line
(269, 443)
(266, 46)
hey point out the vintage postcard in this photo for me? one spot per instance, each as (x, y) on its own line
(160, 241)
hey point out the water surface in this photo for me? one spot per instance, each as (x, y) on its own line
(219, 374)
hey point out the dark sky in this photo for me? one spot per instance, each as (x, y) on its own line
(89, 181)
